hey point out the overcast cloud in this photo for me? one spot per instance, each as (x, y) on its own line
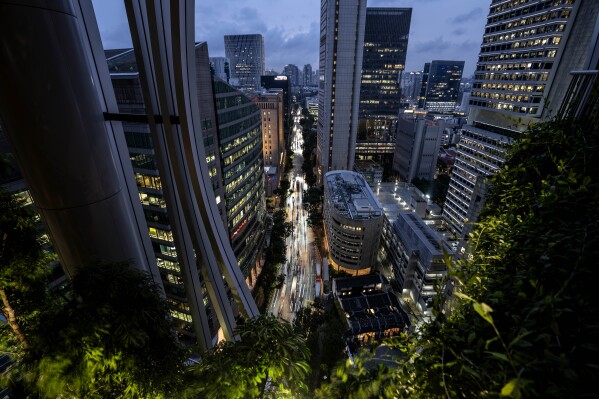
(440, 29)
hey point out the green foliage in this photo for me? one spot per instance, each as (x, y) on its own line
(268, 361)
(275, 255)
(23, 273)
(308, 149)
(323, 329)
(288, 161)
(312, 202)
(283, 190)
(524, 321)
(111, 339)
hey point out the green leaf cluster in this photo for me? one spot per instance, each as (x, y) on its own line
(270, 360)
(275, 255)
(111, 338)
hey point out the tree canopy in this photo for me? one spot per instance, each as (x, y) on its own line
(270, 360)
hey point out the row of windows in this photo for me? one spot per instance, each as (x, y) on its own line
(240, 127)
(225, 117)
(234, 202)
(248, 210)
(559, 27)
(506, 106)
(257, 142)
(519, 98)
(238, 141)
(348, 260)
(247, 173)
(143, 161)
(515, 67)
(522, 76)
(524, 22)
(168, 264)
(161, 234)
(528, 10)
(522, 44)
(152, 199)
(148, 181)
(518, 56)
(249, 159)
(516, 3)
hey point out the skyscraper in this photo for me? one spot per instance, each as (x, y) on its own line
(385, 47)
(441, 85)
(240, 140)
(246, 57)
(341, 42)
(220, 149)
(97, 209)
(293, 73)
(524, 69)
(307, 75)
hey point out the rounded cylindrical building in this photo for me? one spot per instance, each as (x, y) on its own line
(353, 222)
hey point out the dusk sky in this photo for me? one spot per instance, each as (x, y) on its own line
(440, 29)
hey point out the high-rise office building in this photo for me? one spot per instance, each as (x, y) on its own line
(280, 82)
(385, 47)
(441, 85)
(411, 82)
(271, 107)
(221, 68)
(524, 69)
(307, 75)
(246, 59)
(293, 73)
(341, 42)
(240, 140)
(273, 144)
(222, 151)
(89, 199)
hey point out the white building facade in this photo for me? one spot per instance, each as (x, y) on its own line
(342, 24)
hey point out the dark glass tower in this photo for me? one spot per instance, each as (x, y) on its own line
(246, 57)
(385, 47)
(440, 91)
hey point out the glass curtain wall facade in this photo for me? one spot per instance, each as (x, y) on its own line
(385, 47)
(440, 91)
(240, 137)
(127, 88)
(246, 57)
(232, 166)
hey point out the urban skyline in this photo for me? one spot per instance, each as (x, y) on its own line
(291, 29)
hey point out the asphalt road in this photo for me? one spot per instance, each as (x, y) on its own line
(298, 289)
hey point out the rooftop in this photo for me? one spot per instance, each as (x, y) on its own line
(373, 312)
(396, 198)
(351, 195)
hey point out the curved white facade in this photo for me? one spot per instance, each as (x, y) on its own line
(353, 221)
